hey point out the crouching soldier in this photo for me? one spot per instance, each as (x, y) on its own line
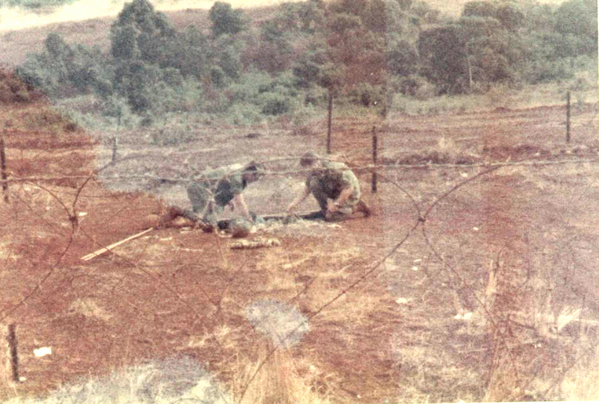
(334, 186)
(217, 188)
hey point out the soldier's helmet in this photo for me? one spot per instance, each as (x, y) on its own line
(308, 159)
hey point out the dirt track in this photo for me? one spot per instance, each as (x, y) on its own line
(391, 337)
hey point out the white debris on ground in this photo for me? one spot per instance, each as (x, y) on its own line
(281, 322)
(256, 243)
(464, 316)
(41, 352)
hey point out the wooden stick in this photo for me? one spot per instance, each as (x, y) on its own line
(110, 247)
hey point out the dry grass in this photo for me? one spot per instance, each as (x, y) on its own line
(278, 382)
(498, 97)
(167, 381)
(582, 383)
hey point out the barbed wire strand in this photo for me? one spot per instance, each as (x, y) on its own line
(364, 168)
(420, 221)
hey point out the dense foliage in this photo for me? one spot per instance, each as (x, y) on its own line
(34, 4)
(363, 51)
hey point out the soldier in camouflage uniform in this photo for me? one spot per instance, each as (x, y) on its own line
(334, 186)
(217, 188)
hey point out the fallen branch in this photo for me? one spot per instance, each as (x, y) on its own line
(118, 243)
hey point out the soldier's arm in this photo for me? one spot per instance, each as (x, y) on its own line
(240, 203)
(298, 200)
(343, 196)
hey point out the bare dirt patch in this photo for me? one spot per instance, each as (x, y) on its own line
(391, 330)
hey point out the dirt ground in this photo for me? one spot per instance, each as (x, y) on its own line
(385, 296)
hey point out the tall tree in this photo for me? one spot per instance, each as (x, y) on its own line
(225, 20)
(444, 58)
(579, 18)
(140, 32)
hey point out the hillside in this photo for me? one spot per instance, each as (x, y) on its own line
(16, 44)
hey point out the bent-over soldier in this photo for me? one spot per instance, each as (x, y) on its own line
(217, 188)
(333, 185)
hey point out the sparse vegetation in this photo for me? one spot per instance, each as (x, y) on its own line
(473, 280)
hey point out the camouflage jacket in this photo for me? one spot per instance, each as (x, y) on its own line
(224, 182)
(332, 178)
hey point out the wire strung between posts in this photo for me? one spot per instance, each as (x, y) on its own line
(418, 223)
(366, 168)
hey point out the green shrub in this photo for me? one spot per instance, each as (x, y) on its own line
(411, 84)
(244, 114)
(542, 71)
(172, 136)
(366, 94)
(275, 104)
(426, 91)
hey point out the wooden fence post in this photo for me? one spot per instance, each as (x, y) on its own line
(13, 352)
(330, 122)
(568, 119)
(374, 158)
(3, 169)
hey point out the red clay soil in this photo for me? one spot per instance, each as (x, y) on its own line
(180, 292)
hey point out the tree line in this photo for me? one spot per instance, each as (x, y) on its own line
(362, 51)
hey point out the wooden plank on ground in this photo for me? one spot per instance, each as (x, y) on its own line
(114, 245)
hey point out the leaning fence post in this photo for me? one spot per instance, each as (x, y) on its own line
(13, 352)
(374, 158)
(568, 119)
(3, 169)
(330, 123)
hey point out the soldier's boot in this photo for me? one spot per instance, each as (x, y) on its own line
(362, 207)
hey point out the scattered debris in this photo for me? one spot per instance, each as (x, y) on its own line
(257, 243)
(465, 316)
(41, 352)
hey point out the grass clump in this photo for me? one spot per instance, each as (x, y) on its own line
(283, 324)
(170, 380)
